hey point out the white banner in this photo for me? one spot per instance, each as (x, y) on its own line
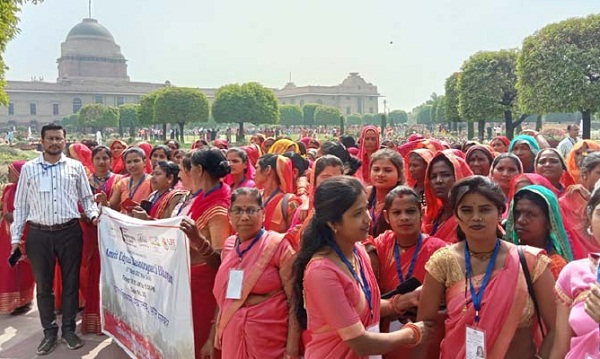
(145, 295)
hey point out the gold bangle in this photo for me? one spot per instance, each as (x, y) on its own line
(394, 302)
(417, 331)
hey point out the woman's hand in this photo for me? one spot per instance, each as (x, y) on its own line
(139, 213)
(208, 350)
(101, 198)
(592, 303)
(197, 241)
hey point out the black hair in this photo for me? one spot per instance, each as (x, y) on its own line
(589, 162)
(266, 160)
(508, 155)
(166, 149)
(299, 162)
(538, 200)
(170, 169)
(186, 161)
(348, 141)
(332, 198)
(53, 127)
(401, 191)
(593, 203)
(396, 160)
(241, 154)
(324, 162)
(177, 145)
(480, 185)
(247, 191)
(437, 159)
(351, 163)
(135, 150)
(101, 149)
(301, 147)
(213, 161)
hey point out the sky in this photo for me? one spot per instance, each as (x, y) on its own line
(406, 48)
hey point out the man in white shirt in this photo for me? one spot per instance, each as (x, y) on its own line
(48, 192)
(565, 146)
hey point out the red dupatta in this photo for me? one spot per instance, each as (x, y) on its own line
(364, 172)
(147, 148)
(118, 166)
(83, 154)
(206, 205)
(158, 209)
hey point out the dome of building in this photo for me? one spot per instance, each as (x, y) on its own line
(90, 27)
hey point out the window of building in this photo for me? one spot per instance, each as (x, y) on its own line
(11, 109)
(32, 109)
(348, 111)
(76, 105)
(120, 100)
(370, 109)
(99, 99)
(55, 109)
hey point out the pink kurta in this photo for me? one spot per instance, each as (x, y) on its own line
(571, 289)
(257, 331)
(337, 308)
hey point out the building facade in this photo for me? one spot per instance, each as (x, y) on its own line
(92, 69)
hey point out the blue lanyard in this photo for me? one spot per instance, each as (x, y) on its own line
(271, 197)
(364, 284)
(187, 200)
(46, 167)
(411, 267)
(374, 220)
(136, 187)
(212, 190)
(102, 186)
(478, 296)
(238, 242)
(156, 197)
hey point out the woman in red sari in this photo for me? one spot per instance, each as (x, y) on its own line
(135, 187)
(117, 147)
(369, 143)
(443, 171)
(550, 164)
(578, 152)
(402, 253)
(254, 322)
(165, 197)
(504, 168)
(16, 283)
(481, 281)
(101, 181)
(387, 172)
(147, 148)
(275, 177)
(500, 144)
(479, 158)
(207, 206)
(415, 167)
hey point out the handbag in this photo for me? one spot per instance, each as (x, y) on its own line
(530, 288)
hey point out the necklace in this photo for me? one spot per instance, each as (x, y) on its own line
(482, 255)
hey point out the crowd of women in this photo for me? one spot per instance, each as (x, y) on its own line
(361, 249)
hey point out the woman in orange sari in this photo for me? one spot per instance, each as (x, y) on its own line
(578, 152)
(253, 319)
(162, 201)
(443, 171)
(402, 253)
(16, 283)
(368, 142)
(282, 146)
(275, 177)
(207, 206)
(117, 147)
(481, 281)
(136, 187)
(415, 167)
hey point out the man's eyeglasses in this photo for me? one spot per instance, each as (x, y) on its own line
(249, 211)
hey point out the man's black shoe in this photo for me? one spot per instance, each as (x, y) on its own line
(47, 345)
(73, 341)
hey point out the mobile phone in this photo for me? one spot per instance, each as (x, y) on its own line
(408, 286)
(146, 205)
(128, 204)
(14, 258)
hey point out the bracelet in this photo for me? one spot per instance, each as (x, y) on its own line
(289, 356)
(394, 303)
(207, 252)
(537, 356)
(417, 331)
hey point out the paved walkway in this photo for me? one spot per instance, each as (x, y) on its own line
(20, 336)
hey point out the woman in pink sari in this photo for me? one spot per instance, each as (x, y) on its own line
(242, 171)
(578, 304)
(16, 283)
(481, 281)
(336, 296)
(252, 320)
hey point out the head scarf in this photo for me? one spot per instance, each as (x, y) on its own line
(117, 161)
(461, 170)
(281, 146)
(487, 151)
(528, 140)
(147, 148)
(558, 235)
(353, 151)
(503, 156)
(502, 139)
(534, 178)
(572, 165)
(364, 172)
(112, 146)
(305, 140)
(16, 166)
(83, 154)
(566, 179)
(430, 144)
(221, 144)
(425, 154)
(285, 173)
(254, 152)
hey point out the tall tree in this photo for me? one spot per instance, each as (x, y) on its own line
(368, 119)
(559, 69)
(327, 115)
(309, 113)
(146, 108)
(250, 102)
(423, 114)
(180, 105)
(451, 100)
(128, 117)
(354, 119)
(290, 115)
(397, 117)
(98, 116)
(487, 89)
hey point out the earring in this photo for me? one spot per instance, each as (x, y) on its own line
(589, 231)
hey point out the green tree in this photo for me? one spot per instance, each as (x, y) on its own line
(180, 105)
(451, 100)
(423, 114)
(368, 119)
(440, 110)
(327, 115)
(559, 69)
(398, 116)
(487, 89)
(71, 123)
(128, 117)
(98, 116)
(9, 20)
(291, 115)
(146, 108)
(354, 119)
(250, 102)
(309, 113)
